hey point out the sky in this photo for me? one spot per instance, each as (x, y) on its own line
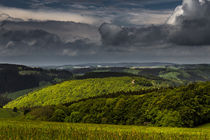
(57, 32)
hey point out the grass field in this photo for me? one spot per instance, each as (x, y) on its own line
(17, 94)
(14, 95)
(18, 130)
(8, 113)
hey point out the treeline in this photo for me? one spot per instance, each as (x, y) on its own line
(17, 77)
(185, 106)
(117, 94)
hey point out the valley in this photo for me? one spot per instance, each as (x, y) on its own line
(152, 98)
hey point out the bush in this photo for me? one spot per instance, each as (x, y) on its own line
(43, 113)
(58, 116)
(169, 118)
(74, 117)
(15, 109)
(26, 110)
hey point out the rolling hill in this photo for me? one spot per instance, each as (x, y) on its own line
(74, 90)
(185, 106)
(18, 77)
(178, 73)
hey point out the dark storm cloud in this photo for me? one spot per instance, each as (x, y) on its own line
(191, 33)
(40, 43)
(67, 31)
(192, 23)
(86, 3)
(189, 26)
(22, 42)
(121, 36)
(128, 34)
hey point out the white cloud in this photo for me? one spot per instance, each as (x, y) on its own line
(96, 16)
(190, 10)
(148, 17)
(43, 15)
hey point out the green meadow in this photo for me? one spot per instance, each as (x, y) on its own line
(34, 130)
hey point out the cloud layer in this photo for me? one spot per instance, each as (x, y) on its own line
(106, 33)
(126, 16)
(189, 25)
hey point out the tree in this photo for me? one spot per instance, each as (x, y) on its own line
(15, 109)
(74, 117)
(59, 116)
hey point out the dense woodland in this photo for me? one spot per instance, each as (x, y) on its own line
(74, 90)
(186, 106)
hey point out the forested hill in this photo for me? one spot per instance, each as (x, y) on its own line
(185, 106)
(74, 90)
(18, 77)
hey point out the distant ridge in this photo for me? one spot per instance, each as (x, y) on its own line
(122, 64)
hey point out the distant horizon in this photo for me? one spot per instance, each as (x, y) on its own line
(98, 63)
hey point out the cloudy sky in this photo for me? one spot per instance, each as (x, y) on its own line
(47, 32)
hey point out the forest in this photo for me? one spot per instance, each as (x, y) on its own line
(186, 106)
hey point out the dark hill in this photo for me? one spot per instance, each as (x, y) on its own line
(19, 77)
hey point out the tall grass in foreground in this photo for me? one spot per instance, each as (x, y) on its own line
(17, 130)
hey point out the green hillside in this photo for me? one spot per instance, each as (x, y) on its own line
(15, 95)
(77, 89)
(8, 113)
(186, 106)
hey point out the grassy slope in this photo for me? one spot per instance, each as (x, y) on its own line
(15, 95)
(77, 89)
(8, 113)
(50, 130)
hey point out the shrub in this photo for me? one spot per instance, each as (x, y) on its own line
(26, 110)
(15, 109)
(59, 116)
(169, 118)
(74, 117)
(42, 113)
